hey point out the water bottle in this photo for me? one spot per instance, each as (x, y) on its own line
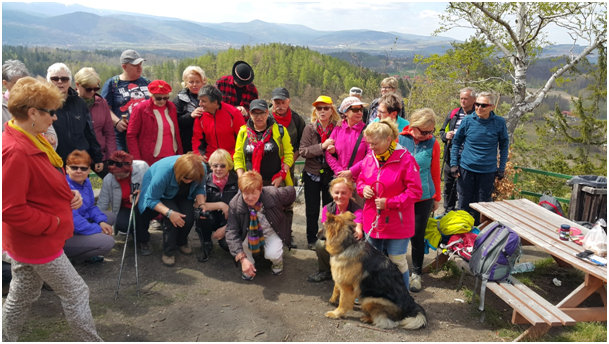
(523, 267)
(563, 234)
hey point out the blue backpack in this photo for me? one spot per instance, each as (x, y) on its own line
(496, 249)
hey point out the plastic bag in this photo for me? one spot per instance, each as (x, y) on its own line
(596, 240)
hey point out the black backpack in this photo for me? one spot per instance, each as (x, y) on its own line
(551, 203)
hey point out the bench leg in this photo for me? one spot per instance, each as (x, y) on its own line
(533, 332)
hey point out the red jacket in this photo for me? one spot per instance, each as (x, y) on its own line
(142, 132)
(401, 185)
(34, 195)
(211, 132)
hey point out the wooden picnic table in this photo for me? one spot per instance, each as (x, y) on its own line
(539, 227)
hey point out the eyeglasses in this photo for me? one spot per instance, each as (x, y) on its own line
(358, 109)
(482, 105)
(118, 163)
(323, 108)
(50, 112)
(218, 166)
(62, 78)
(426, 132)
(386, 88)
(89, 89)
(76, 168)
(159, 98)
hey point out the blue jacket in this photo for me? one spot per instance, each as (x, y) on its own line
(88, 216)
(480, 139)
(160, 182)
(423, 154)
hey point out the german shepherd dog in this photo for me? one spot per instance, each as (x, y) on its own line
(360, 270)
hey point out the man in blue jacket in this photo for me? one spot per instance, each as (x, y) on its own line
(476, 166)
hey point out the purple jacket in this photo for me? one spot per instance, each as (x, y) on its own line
(345, 138)
(103, 127)
(401, 185)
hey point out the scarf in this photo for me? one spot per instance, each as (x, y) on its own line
(324, 134)
(258, 145)
(220, 182)
(41, 143)
(255, 238)
(382, 158)
(284, 120)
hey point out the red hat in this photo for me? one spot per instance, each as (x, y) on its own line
(159, 87)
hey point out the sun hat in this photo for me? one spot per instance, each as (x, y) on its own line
(159, 87)
(349, 102)
(323, 99)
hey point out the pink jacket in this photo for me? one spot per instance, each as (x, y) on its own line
(401, 185)
(345, 138)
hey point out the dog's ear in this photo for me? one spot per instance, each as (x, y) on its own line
(330, 217)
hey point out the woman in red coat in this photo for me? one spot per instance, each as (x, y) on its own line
(37, 208)
(153, 131)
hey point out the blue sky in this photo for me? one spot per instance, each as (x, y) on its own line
(419, 18)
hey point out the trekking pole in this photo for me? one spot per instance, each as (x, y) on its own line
(130, 227)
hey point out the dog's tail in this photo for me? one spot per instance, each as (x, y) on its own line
(415, 322)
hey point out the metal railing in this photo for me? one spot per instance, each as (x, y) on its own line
(540, 172)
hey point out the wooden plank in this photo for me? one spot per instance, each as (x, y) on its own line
(581, 293)
(533, 332)
(547, 306)
(587, 313)
(529, 221)
(505, 294)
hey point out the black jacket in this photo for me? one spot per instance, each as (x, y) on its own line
(213, 193)
(186, 103)
(74, 128)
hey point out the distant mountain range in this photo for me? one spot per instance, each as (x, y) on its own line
(80, 27)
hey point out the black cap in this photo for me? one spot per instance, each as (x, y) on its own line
(280, 93)
(243, 74)
(259, 104)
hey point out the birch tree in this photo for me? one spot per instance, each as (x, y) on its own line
(519, 31)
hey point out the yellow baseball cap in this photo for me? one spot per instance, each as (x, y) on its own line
(322, 99)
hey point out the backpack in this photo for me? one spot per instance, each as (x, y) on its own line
(496, 249)
(551, 203)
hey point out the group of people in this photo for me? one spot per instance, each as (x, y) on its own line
(221, 160)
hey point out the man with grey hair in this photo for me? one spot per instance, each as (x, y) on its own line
(481, 135)
(467, 97)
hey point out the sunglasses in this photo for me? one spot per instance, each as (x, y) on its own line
(324, 108)
(50, 112)
(89, 89)
(357, 109)
(158, 98)
(62, 78)
(218, 166)
(426, 132)
(484, 106)
(82, 168)
(118, 163)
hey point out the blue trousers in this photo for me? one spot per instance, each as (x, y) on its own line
(474, 187)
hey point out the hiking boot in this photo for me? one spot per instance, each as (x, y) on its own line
(415, 283)
(320, 276)
(246, 277)
(94, 259)
(185, 249)
(168, 260)
(277, 268)
(145, 249)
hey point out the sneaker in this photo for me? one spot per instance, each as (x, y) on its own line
(185, 249)
(145, 249)
(320, 276)
(415, 283)
(246, 277)
(277, 268)
(168, 260)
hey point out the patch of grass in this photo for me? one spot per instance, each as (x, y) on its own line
(45, 332)
(581, 332)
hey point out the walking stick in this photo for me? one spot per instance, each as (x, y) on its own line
(130, 227)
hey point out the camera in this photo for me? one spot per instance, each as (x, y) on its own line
(199, 213)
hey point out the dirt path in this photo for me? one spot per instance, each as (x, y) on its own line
(209, 302)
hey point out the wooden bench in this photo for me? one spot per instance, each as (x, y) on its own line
(529, 308)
